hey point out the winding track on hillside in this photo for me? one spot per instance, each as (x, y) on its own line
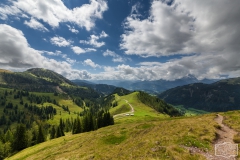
(224, 135)
(124, 114)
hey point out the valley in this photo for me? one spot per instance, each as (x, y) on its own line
(80, 122)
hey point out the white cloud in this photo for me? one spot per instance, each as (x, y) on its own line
(116, 57)
(60, 41)
(109, 69)
(33, 23)
(79, 50)
(103, 35)
(54, 12)
(72, 29)
(71, 61)
(89, 62)
(93, 40)
(59, 53)
(185, 27)
(6, 11)
(56, 53)
(149, 64)
(16, 53)
(201, 66)
(90, 50)
(205, 32)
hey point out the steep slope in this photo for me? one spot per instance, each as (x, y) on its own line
(223, 95)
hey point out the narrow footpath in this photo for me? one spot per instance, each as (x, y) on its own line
(124, 114)
(224, 135)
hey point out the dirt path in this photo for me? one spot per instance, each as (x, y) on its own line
(132, 109)
(124, 114)
(224, 135)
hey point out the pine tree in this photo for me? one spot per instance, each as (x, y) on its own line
(61, 125)
(60, 132)
(78, 126)
(40, 137)
(20, 138)
(9, 136)
(52, 133)
(74, 128)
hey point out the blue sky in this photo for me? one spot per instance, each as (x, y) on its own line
(122, 39)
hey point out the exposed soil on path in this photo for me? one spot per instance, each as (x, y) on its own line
(224, 135)
(127, 113)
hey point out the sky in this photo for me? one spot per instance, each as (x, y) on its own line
(122, 39)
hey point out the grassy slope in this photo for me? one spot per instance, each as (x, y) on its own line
(146, 135)
(141, 111)
(142, 140)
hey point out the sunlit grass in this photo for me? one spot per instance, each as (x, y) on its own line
(162, 139)
(146, 135)
(141, 111)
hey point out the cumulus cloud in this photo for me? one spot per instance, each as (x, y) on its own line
(182, 28)
(72, 29)
(34, 24)
(16, 53)
(93, 40)
(103, 35)
(206, 38)
(54, 12)
(6, 11)
(208, 66)
(116, 57)
(79, 50)
(60, 41)
(89, 62)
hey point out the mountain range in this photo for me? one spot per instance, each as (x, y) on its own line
(223, 95)
(40, 105)
(208, 95)
(154, 87)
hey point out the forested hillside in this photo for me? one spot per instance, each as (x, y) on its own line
(158, 104)
(29, 118)
(100, 88)
(223, 95)
(39, 105)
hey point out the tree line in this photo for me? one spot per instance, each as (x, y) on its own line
(22, 137)
(158, 104)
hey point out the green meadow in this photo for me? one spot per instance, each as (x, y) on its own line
(146, 135)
